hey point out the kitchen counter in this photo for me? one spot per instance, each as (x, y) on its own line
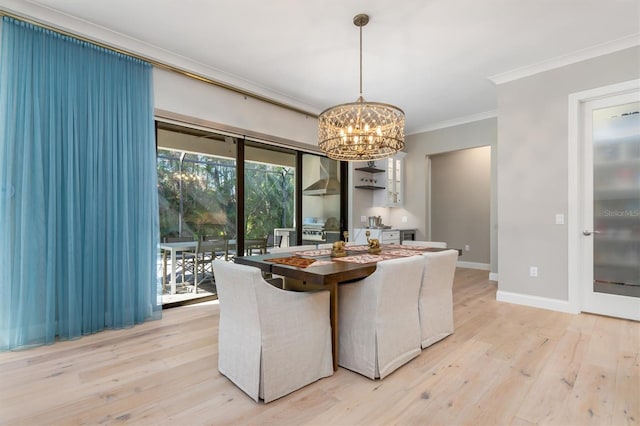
(384, 235)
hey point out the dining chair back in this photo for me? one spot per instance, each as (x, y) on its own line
(434, 244)
(379, 325)
(255, 351)
(201, 260)
(291, 249)
(273, 241)
(436, 296)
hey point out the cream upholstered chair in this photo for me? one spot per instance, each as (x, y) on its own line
(379, 325)
(290, 249)
(436, 296)
(255, 351)
(434, 244)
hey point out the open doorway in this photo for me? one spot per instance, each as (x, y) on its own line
(459, 203)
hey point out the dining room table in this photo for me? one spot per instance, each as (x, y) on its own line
(173, 249)
(317, 270)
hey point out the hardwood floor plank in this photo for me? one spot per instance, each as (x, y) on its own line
(505, 364)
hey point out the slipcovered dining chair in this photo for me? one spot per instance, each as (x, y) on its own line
(434, 244)
(379, 325)
(436, 296)
(255, 351)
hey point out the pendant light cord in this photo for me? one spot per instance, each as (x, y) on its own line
(361, 61)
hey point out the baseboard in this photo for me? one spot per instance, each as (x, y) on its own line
(493, 276)
(474, 265)
(535, 302)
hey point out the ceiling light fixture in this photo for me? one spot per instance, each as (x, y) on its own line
(360, 130)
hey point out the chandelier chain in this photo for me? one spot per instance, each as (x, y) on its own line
(360, 60)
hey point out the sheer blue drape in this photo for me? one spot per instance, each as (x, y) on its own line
(78, 188)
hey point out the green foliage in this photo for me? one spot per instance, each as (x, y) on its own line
(207, 188)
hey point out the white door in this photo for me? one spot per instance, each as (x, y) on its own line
(611, 206)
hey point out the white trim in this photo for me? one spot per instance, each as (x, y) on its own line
(536, 302)
(568, 59)
(427, 198)
(473, 265)
(493, 276)
(574, 222)
(457, 121)
(67, 23)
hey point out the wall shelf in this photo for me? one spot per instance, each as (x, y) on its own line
(369, 170)
(372, 187)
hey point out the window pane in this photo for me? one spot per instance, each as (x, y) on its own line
(269, 195)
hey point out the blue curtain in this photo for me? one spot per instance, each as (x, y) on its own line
(78, 189)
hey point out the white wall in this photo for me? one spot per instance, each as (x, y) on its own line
(222, 109)
(533, 176)
(199, 102)
(420, 146)
(461, 202)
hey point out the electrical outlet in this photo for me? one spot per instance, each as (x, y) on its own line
(559, 219)
(533, 271)
(404, 219)
(466, 247)
(363, 219)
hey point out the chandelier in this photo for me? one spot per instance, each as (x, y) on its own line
(361, 130)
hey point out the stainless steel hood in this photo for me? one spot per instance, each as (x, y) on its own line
(328, 184)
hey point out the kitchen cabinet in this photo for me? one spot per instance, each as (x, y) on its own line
(385, 236)
(392, 196)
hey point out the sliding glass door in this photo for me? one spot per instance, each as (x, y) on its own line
(269, 196)
(197, 191)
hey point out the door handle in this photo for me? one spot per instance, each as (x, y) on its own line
(586, 232)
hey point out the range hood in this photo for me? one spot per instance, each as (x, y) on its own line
(328, 184)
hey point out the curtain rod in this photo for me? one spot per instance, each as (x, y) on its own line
(164, 66)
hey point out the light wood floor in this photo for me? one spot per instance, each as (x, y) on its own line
(505, 364)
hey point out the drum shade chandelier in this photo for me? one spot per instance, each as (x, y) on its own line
(361, 130)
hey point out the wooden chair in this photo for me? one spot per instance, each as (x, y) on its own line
(256, 350)
(258, 245)
(435, 306)
(201, 261)
(379, 323)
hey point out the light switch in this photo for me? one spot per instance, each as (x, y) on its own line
(559, 219)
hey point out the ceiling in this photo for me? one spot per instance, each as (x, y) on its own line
(432, 58)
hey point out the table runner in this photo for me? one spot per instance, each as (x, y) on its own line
(299, 262)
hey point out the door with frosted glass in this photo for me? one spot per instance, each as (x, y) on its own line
(612, 206)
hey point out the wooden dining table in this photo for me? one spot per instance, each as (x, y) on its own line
(326, 273)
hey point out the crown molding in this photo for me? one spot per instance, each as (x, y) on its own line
(457, 121)
(571, 58)
(54, 20)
